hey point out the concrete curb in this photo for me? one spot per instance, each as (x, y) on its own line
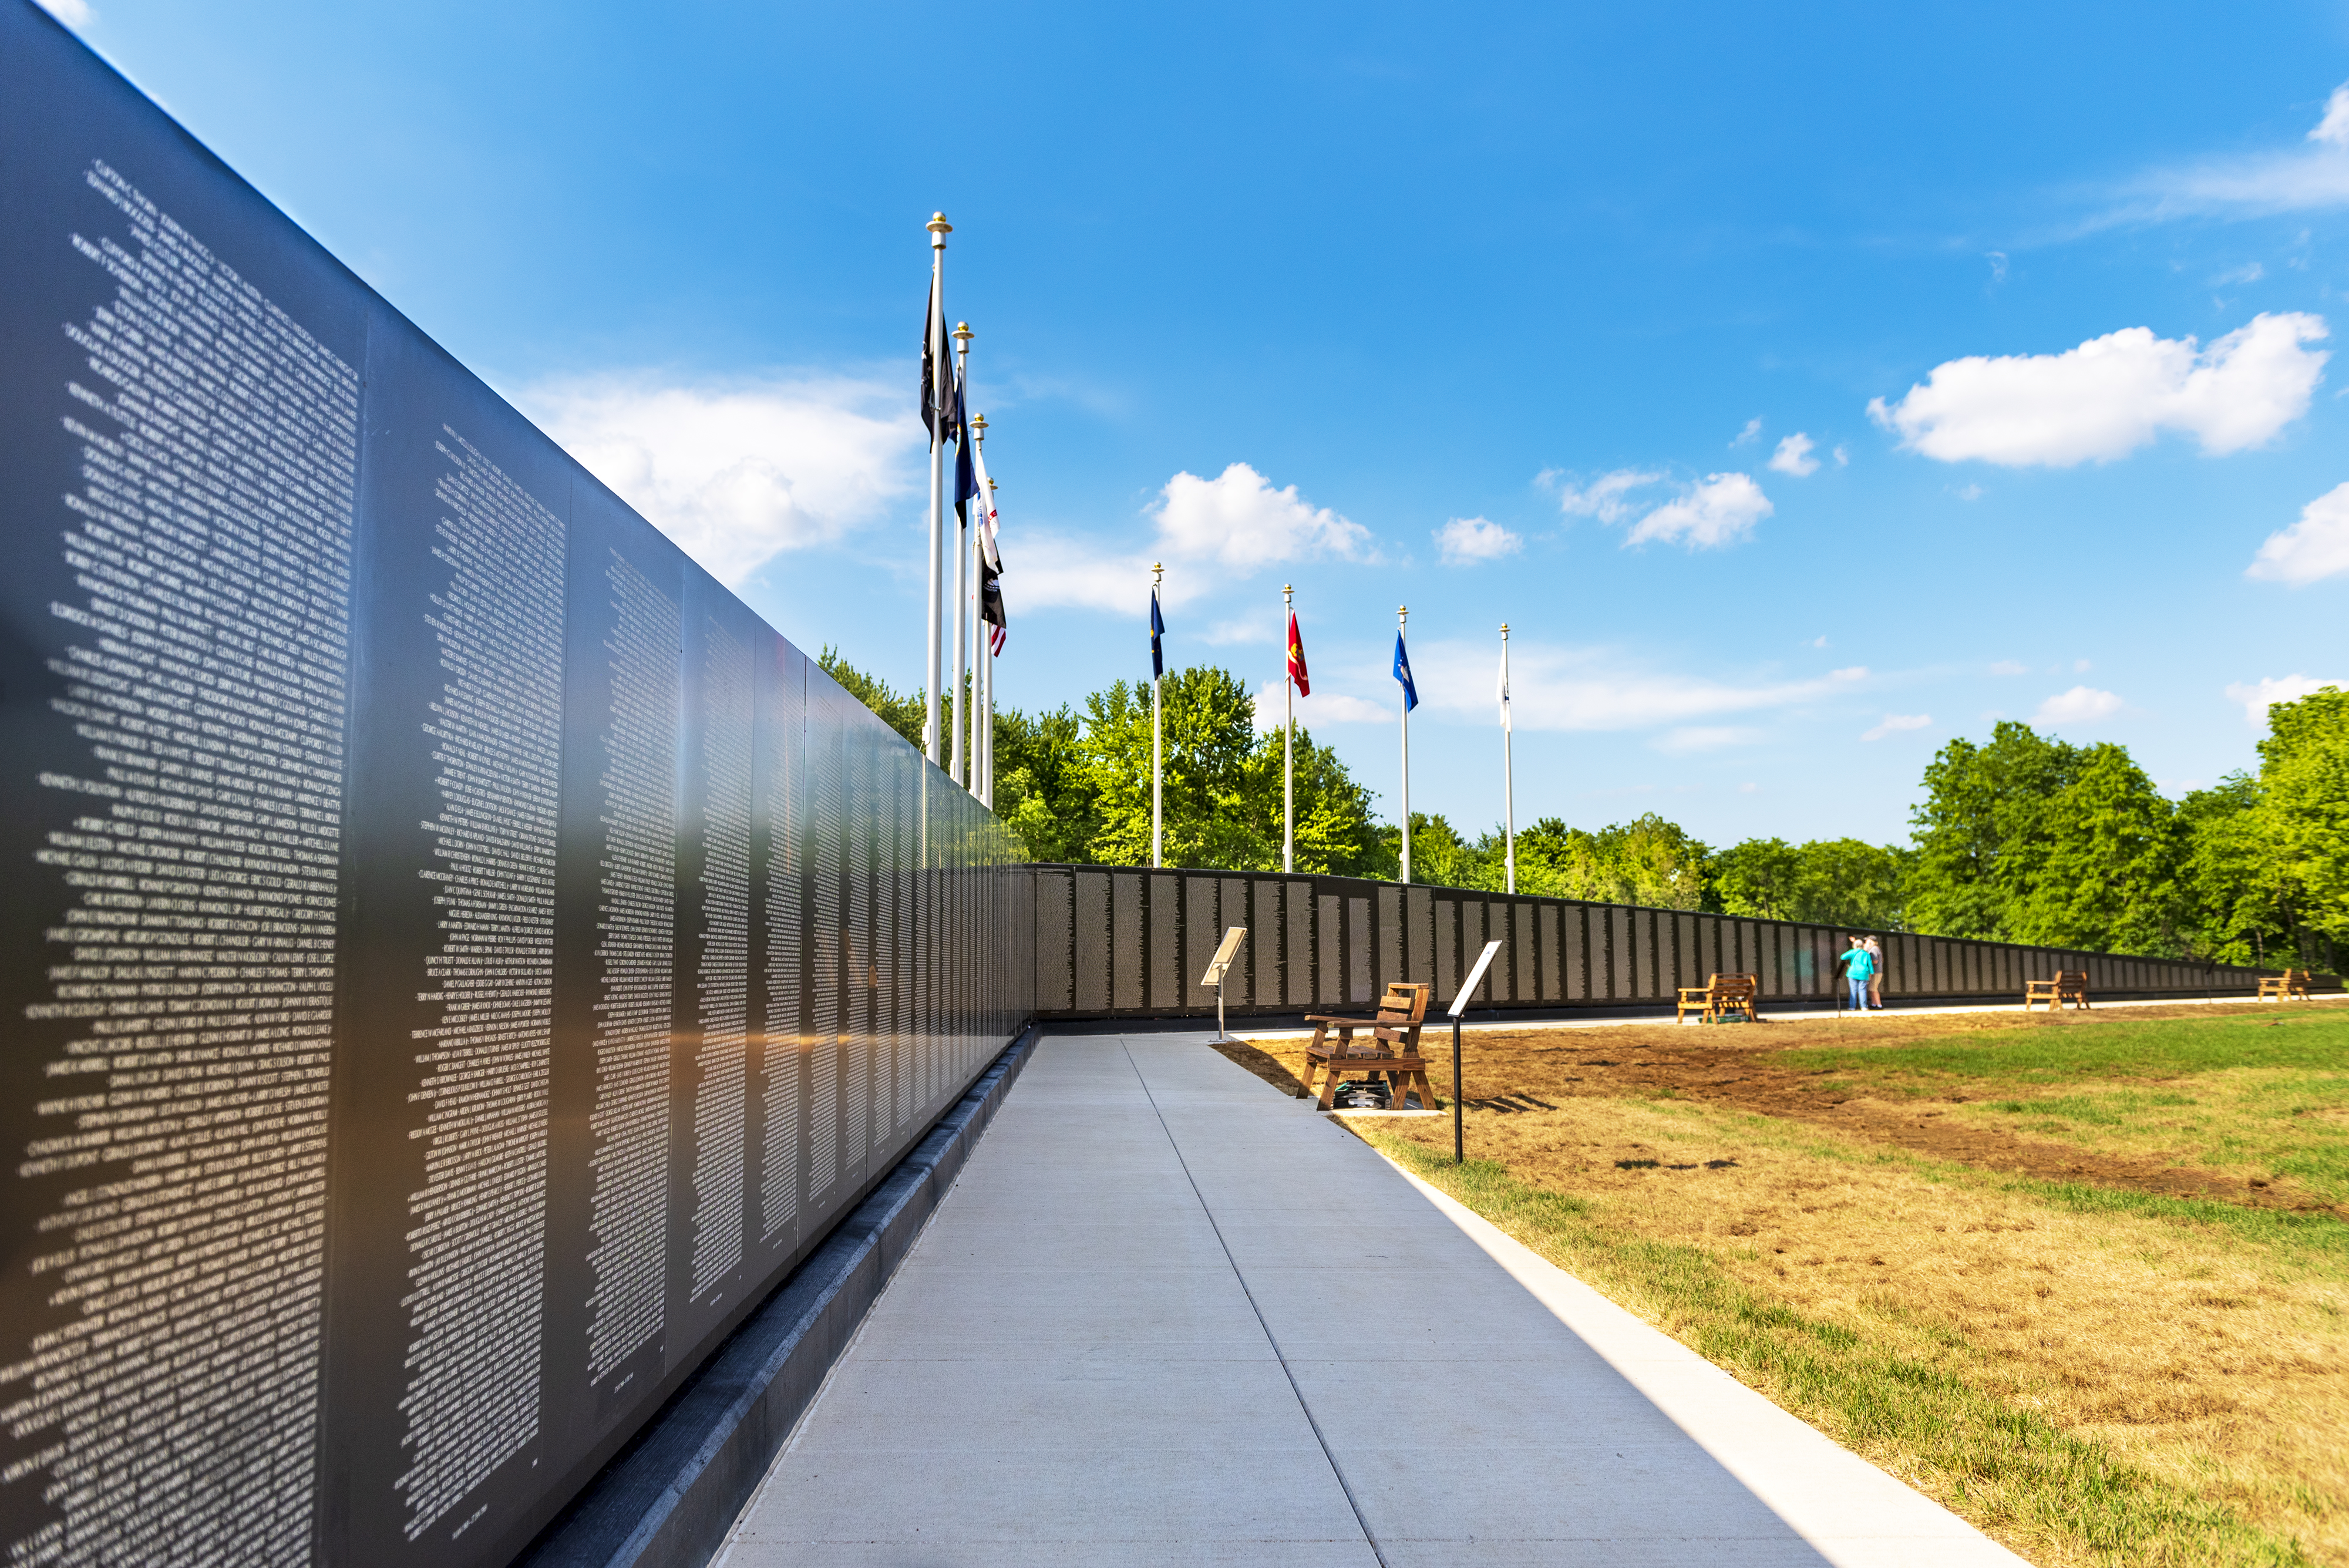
(669, 1500)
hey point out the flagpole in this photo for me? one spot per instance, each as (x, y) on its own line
(1288, 736)
(976, 642)
(967, 598)
(1157, 738)
(1403, 699)
(939, 228)
(987, 745)
(955, 769)
(982, 646)
(1509, 767)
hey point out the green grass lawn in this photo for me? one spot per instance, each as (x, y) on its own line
(2264, 1098)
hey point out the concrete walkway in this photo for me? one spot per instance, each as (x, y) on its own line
(1170, 1316)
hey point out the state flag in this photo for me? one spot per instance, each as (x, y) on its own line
(1297, 658)
(1402, 673)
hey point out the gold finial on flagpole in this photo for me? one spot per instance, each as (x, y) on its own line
(1403, 614)
(1157, 574)
(978, 428)
(939, 228)
(962, 335)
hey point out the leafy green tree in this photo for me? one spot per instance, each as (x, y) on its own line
(1209, 730)
(2230, 912)
(1762, 878)
(1828, 882)
(1648, 860)
(1336, 833)
(1981, 829)
(903, 713)
(1043, 790)
(1440, 856)
(2303, 820)
(2029, 839)
(2105, 874)
(1222, 783)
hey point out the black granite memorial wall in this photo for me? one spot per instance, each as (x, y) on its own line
(1117, 942)
(461, 958)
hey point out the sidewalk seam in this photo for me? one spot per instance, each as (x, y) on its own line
(1270, 1338)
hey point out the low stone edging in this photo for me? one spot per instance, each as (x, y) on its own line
(671, 1499)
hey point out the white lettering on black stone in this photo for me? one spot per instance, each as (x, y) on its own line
(636, 922)
(211, 541)
(720, 1099)
(827, 827)
(779, 1176)
(477, 1304)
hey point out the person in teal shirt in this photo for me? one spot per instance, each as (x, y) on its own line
(1858, 964)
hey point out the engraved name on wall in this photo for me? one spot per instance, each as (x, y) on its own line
(194, 875)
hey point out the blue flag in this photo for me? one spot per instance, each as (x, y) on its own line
(966, 480)
(1402, 673)
(1157, 630)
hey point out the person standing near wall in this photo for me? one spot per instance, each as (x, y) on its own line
(1876, 973)
(1859, 965)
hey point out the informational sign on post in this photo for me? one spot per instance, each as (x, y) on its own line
(1226, 951)
(1460, 1005)
(1476, 977)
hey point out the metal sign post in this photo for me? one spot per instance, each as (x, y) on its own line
(1460, 1005)
(1226, 951)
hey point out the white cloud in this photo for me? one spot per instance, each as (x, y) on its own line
(2010, 667)
(1266, 631)
(1997, 260)
(1603, 497)
(2080, 705)
(2250, 272)
(1328, 707)
(1239, 520)
(72, 12)
(1793, 456)
(1968, 493)
(1206, 530)
(1842, 457)
(2080, 667)
(738, 472)
(1692, 738)
(1752, 431)
(1465, 541)
(1819, 641)
(1554, 688)
(1042, 570)
(2256, 696)
(2333, 130)
(1721, 511)
(1895, 723)
(2312, 177)
(1749, 789)
(2113, 394)
(2315, 547)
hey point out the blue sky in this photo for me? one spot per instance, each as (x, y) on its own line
(1510, 313)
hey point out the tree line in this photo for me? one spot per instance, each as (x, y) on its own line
(2022, 838)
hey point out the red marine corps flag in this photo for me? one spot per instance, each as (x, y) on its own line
(1295, 687)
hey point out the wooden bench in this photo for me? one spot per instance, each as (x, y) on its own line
(2289, 983)
(2069, 985)
(1392, 1048)
(1719, 997)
